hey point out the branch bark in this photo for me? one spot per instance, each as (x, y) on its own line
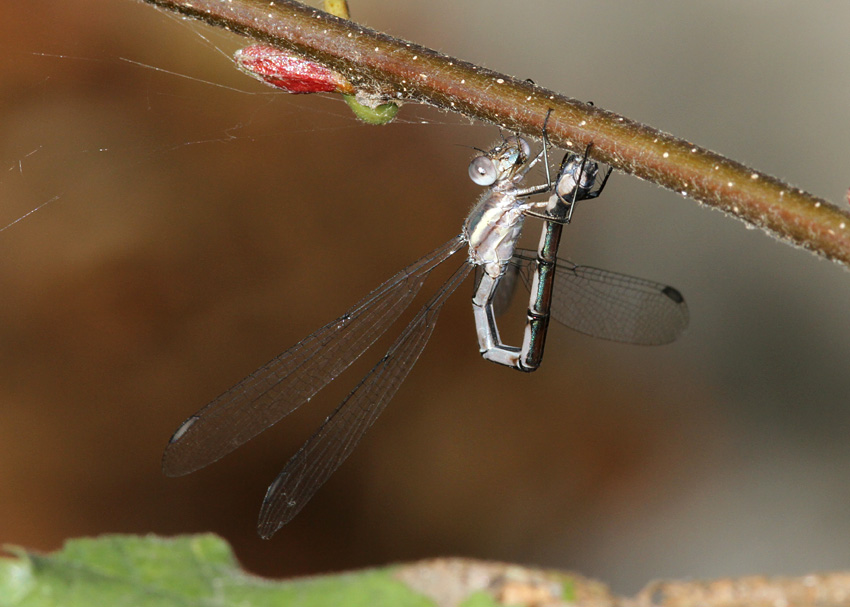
(383, 65)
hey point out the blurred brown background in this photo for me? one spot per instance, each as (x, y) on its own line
(200, 225)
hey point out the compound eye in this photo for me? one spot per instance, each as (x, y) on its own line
(482, 171)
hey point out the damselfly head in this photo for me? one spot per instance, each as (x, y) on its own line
(569, 175)
(499, 163)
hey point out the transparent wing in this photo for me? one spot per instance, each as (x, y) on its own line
(294, 377)
(334, 441)
(609, 305)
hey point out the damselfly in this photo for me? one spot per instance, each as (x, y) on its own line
(593, 301)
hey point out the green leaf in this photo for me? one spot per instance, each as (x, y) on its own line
(199, 570)
(479, 599)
